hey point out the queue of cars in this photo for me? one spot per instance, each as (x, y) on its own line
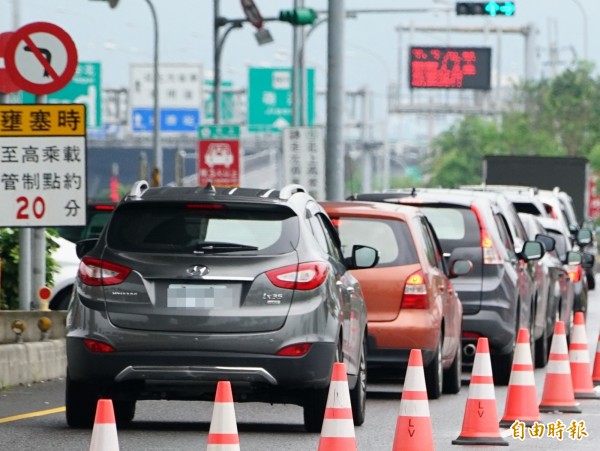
(184, 287)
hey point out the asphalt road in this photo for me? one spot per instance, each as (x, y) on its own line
(32, 418)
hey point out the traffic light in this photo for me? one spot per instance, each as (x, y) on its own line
(485, 8)
(298, 16)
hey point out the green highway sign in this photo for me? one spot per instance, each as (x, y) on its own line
(270, 98)
(84, 87)
(227, 102)
(218, 132)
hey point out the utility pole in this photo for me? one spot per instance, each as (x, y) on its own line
(334, 142)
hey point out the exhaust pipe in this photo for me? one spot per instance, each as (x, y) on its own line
(469, 350)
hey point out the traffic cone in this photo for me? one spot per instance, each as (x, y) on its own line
(521, 396)
(596, 370)
(337, 433)
(480, 423)
(413, 428)
(223, 434)
(583, 387)
(558, 395)
(104, 434)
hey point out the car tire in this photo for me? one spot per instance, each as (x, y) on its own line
(453, 375)
(314, 409)
(501, 367)
(358, 395)
(434, 374)
(124, 411)
(62, 299)
(591, 281)
(542, 349)
(80, 404)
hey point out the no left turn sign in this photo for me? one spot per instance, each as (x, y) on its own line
(40, 58)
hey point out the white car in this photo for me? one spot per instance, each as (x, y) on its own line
(66, 257)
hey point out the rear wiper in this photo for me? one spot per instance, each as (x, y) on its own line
(213, 247)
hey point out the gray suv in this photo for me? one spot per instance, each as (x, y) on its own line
(189, 286)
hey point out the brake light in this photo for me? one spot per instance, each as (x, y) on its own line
(575, 273)
(304, 276)
(104, 207)
(96, 272)
(471, 335)
(297, 350)
(415, 291)
(490, 253)
(204, 206)
(97, 346)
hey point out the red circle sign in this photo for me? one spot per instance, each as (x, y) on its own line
(40, 58)
(44, 293)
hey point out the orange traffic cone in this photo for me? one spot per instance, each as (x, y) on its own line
(104, 434)
(521, 396)
(337, 433)
(223, 434)
(480, 423)
(583, 387)
(596, 370)
(413, 428)
(558, 395)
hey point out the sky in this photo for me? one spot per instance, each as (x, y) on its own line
(124, 35)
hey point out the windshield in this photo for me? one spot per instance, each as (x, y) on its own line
(207, 228)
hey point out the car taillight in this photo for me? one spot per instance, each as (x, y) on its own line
(415, 291)
(297, 350)
(96, 272)
(575, 272)
(470, 335)
(304, 276)
(97, 346)
(490, 253)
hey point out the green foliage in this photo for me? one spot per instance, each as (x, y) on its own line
(9, 253)
(553, 117)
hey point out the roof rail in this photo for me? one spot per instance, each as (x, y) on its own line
(287, 191)
(137, 189)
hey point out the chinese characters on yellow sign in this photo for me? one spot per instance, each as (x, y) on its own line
(42, 165)
(556, 429)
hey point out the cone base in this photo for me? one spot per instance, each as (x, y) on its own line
(480, 441)
(565, 409)
(509, 423)
(591, 395)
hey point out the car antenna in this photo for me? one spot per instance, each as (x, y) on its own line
(210, 188)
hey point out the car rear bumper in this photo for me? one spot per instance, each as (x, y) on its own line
(493, 325)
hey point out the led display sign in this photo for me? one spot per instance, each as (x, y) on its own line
(450, 67)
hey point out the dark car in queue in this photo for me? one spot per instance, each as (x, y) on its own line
(473, 227)
(188, 286)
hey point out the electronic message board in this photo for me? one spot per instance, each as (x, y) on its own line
(450, 67)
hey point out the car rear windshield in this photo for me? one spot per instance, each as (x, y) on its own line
(186, 227)
(391, 238)
(455, 227)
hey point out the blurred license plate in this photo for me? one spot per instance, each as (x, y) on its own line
(199, 296)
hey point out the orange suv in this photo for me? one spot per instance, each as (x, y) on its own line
(410, 300)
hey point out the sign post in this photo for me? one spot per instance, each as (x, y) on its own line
(219, 155)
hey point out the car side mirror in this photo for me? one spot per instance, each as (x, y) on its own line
(363, 257)
(84, 246)
(532, 250)
(574, 258)
(460, 268)
(548, 242)
(584, 237)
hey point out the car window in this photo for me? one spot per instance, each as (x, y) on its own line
(428, 245)
(504, 233)
(329, 232)
(454, 227)
(178, 227)
(391, 238)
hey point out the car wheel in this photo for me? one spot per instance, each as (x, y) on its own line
(62, 299)
(80, 404)
(358, 395)
(501, 367)
(314, 409)
(124, 411)
(434, 374)
(542, 349)
(453, 375)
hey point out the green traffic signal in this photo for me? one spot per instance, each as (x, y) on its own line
(485, 8)
(298, 16)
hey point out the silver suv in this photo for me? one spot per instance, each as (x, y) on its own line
(189, 286)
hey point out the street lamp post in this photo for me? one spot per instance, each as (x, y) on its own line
(584, 16)
(157, 169)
